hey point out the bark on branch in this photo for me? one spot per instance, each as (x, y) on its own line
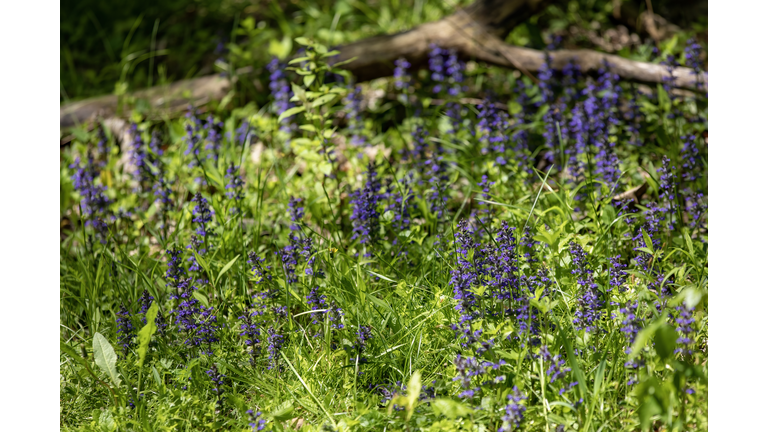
(463, 31)
(475, 32)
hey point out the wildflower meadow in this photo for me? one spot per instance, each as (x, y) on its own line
(453, 246)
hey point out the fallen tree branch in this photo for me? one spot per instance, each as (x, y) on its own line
(475, 32)
(169, 98)
(374, 57)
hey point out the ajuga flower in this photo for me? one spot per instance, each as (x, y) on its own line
(555, 369)
(589, 310)
(466, 369)
(281, 91)
(274, 345)
(125, 330)
(251, 332)
(402, 78)
(513, 412)
(692, 161)
(447, 71)
(667, 185)
(234, 183)
(693, 57)
(213, 137)
(354, 106)
(684, 321)
(197, 324)
(360, 344)
(365, 214)
(493, 130)
(218, 383)
(316, 302)
(290, 257)
(140, 156)
(631, 326)
(254, 421)
(175, 271)
(94, 202)
(546, 77)
(616, 274)
(193, 127)
(296, 211)
(202, 215)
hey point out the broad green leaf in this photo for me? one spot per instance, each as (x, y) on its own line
(156, 376)
(105, 357)
(280, 49)
(283, 412)
(145, 334)
(509, 355)
(450, 408)
(643, 336)
(692, 297)
(322, 100)
(289, 112)
(203, 263)
(106, 421)
(308, 80)
(648, 409)
(201, 298)
(664, 340)
(414, 390)
(648, 242)
(689, 243)
(225, 268)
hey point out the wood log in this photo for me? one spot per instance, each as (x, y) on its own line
(475, 32)
(374, 57)
(171, 97)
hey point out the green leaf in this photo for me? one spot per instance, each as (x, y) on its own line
(145, 334)
(226, 267)
(157, 378)
(450, 408)
(509, 355)
(414, 390)
(648, 409)
(689, 243)
(302, 41)
(599, 377)
(308, 80)
(648, 242)
(280, 49)
(289, 112)
(642, 338)
(105, 357)
(201, 298)
(322, 100)
(665, 340)
(203, 263)
(236, 401)
(283, 412)
(573, 362)
(106, 421)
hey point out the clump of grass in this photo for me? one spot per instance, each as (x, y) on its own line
(413, 280)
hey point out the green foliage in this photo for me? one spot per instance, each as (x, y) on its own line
(355, 336)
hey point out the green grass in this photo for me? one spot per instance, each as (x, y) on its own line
(403, 292)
